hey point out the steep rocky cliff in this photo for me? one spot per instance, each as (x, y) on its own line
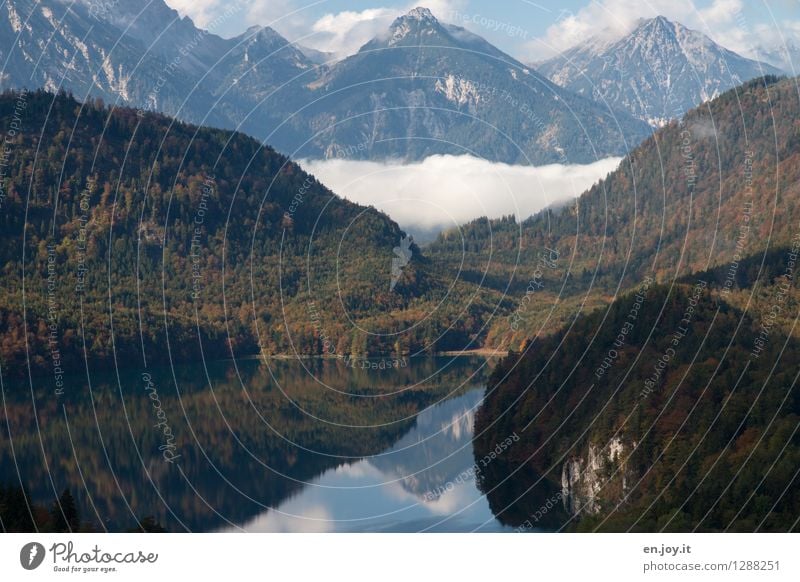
(587, 478)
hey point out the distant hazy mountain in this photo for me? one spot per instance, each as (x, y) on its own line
(657, 72)
(784, 55)
(315, 56)
(428, 88)
(423, 87)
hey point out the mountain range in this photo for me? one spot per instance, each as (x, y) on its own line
(627, 227)
(423, 87)
(429, 88)
(657, 72)
(390, 100)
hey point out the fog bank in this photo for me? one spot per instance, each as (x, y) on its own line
(446, 191)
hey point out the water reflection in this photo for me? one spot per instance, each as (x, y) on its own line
(423, 482)
(256, 447)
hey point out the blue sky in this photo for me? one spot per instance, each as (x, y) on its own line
(527, 29)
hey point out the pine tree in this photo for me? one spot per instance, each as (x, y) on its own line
(65, 513)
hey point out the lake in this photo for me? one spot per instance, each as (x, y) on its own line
(253, 445)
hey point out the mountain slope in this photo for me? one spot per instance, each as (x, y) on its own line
(673, 405)
(657, 72)
(47, 44)
(141, 53)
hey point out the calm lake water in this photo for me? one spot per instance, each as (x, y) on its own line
(282, 446)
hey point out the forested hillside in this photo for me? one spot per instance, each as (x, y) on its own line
(674, 406)
(671, 410)
(132, 236)
(709, 190)
(156, 229)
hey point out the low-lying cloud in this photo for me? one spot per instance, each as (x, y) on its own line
(446, 191)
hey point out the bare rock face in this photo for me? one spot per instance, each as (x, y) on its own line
(600, 475)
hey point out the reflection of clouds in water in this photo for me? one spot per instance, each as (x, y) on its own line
(315, 519)
(357, 470)
(388, 491)
(445, 191)
(452, 500)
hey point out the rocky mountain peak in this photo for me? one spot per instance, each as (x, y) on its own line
(658, 71)
(659, 23)
(654, 32)
(263, 34)
(420, 14)
(416, 24)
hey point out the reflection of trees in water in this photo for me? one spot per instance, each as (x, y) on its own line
(517, 503)
(214, 431)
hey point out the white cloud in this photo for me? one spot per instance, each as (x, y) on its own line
(341, 33)
(782, 47)
(346, 32)
(291, 518)
(722, 11)
(200, 11)
(445, 191)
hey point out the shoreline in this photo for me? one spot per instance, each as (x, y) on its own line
(486, 352)
(483, 352)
